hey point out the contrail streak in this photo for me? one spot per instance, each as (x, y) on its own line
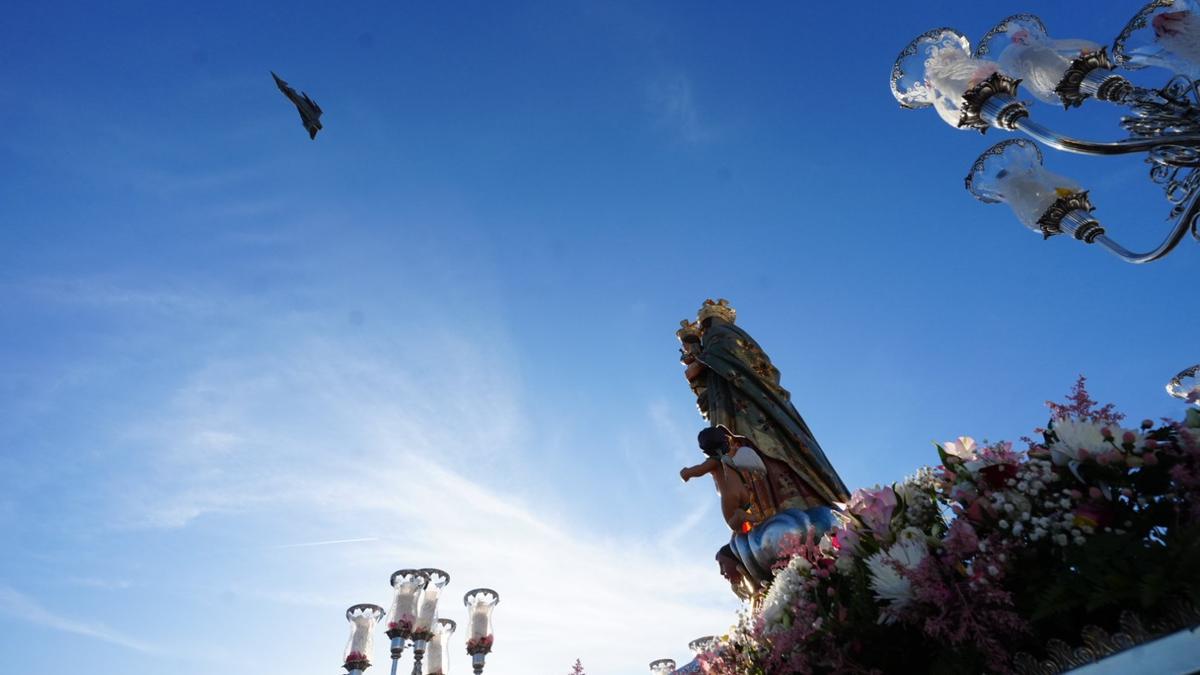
(326, 543)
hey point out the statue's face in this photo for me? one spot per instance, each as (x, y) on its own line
(729, 570)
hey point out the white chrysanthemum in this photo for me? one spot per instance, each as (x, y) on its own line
(782, 594)
(1075, 435)
(887, 582)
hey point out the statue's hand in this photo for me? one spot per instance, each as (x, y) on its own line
(685, 473)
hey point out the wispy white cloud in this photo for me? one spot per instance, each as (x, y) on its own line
(21, 606)
(437, 458)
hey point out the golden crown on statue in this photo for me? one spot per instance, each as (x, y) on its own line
(689, 331)
(719, 309)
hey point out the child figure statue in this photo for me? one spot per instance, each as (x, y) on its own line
(749, 505)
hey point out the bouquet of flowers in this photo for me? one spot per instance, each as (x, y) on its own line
(481, 645)
(992, 553)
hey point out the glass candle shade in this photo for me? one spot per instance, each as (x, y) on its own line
(437, 653)
(701, 644)
(362, 620)
(408, 585)
(662, 667)
(480, 603)
(436, 580)
(1025, 51)
(1164, 33)
(1011, 172)
(936, 69)
(1186, 385)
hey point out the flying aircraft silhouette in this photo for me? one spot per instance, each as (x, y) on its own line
(310, 112)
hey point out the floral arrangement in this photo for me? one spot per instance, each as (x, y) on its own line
(357, 659)
(421, 634)
(994, 552)
(481, 645)
(401, 625)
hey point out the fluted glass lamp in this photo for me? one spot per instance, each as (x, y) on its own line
(407, 587)
(1011, 172)
(1186, 385)
(701, 644)
(937, 69)
(1023, 49)
(662, 667)
(479, 603)
(362, 618)
(437, 653)
(1164, 33)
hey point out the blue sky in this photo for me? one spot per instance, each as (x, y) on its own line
(445, 329)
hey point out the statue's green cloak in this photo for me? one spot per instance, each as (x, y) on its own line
(741, 391)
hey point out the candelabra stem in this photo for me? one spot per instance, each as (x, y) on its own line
(1126, 146)
(395, 662)
(417, 656)
(1187, 219)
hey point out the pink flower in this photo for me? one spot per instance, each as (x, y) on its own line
(874, 507)
(961, 540)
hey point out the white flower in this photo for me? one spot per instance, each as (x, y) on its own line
(782, 594)
(964, 449)
(1075, 435)
(887, 582)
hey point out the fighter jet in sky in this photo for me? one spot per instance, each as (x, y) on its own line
(310, 112)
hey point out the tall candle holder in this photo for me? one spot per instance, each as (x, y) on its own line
(408, 585)
(437, 655)
(480, 602)
(362, 618)
(426, 617)
(662, 666)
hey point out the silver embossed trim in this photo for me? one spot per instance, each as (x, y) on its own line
(982, 48)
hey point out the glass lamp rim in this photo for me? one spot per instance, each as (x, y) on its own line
(984, 47)
(996, 150)
(910, 49)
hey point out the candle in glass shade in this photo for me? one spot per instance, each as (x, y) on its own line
(951, 71)
(480, 618)
(1029, 193)
(408, 594)
(360, 640)
(433, 657)
(437, 656)
(427, 613)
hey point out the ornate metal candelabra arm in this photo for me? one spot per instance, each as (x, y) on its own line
(1173, 238)
(1127, 146)
(1184, 193)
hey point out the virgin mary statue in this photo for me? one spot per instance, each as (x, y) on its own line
(738, 389)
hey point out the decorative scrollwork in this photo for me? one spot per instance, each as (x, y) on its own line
(1068, 88)
(1174, 109)
(1136, 23)
(1175, 155)
(985, 44)
(1098, 644)
(1051, 220)
(972, 103)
